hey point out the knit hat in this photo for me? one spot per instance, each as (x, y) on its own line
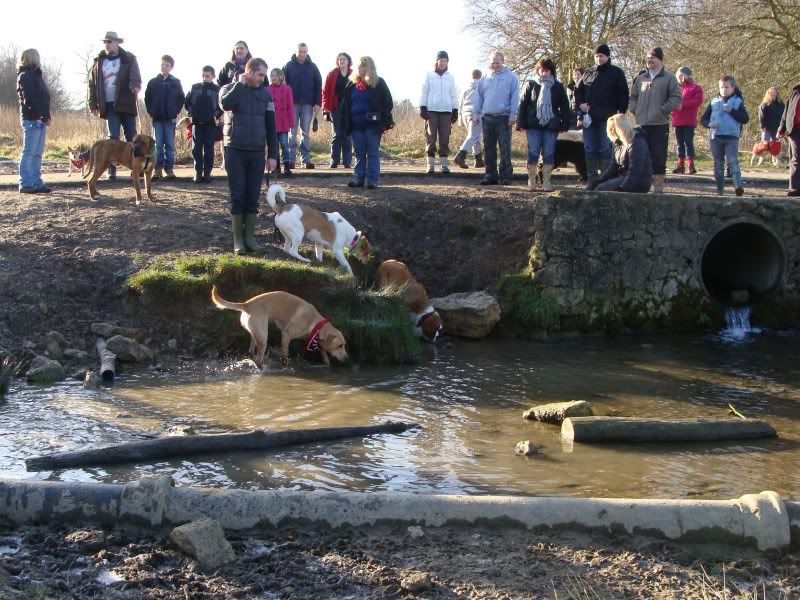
(603, 49)
(657, 52)
(442, 54)
(686, 71)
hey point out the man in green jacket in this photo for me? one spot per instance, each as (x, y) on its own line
(655, 93)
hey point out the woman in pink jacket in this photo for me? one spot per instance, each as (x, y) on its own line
(284, 115)
(684, 120)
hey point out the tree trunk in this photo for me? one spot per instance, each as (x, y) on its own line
(203, 444)
(624, 429)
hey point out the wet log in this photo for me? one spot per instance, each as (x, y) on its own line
(625, 429)
(107, 361)
(172, 446)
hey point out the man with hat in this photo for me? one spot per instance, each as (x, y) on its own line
(114, 84)
(438, 106)
(655, 93)
(601, 92)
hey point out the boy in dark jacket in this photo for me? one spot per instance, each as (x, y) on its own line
(164, 100)
(249, 127)
(202, 104)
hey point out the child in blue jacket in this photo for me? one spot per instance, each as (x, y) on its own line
(724, 118)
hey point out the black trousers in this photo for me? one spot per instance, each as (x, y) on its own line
(245, 173)
(658, 143)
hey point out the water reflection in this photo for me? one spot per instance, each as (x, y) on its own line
(468, 399)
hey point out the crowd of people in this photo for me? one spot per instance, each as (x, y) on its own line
(263, 117)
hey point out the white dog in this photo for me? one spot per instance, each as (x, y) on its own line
(324, 229)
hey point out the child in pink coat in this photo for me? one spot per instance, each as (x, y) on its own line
(284, 114)
(684, 120)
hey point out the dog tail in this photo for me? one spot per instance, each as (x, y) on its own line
(87, 169)
(220, 302)
(273, 191)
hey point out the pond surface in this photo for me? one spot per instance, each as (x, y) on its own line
(468, 398)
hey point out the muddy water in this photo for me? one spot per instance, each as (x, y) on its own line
(469, 399)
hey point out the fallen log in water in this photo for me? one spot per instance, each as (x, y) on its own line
(625, 429)
(203, 444)
(107, 361)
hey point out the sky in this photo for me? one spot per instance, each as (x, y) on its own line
(398, 35)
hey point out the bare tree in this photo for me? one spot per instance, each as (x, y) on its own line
(86, 57)
(59, 97)
(569, 30)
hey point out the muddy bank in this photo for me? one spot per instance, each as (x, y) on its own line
(383, 562)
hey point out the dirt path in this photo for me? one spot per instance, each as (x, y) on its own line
(384, 563)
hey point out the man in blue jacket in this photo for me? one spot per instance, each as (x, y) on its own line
(495, 105)
(249, 127)
(303, 76)
(164, 100)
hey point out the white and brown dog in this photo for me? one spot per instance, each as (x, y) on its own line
(324, 229)
(295, 318)
(764, 148)
(428, 322)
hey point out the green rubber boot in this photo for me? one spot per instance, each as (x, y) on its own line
(238, 234)
(250, 234)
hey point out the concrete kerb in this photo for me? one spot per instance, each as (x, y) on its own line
(762, 520)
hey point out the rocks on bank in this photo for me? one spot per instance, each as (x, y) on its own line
(468, 314)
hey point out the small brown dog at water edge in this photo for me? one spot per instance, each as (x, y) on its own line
(428, 322)
(295, 317)
(137, 155)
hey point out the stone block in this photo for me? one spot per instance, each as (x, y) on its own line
(556, 412)
(205, 541)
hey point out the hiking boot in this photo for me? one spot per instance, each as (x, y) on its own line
(680, 168)
(333, 165)
(691, 170)
(170, 173)
(460, 159)
(355, 183)
(740, 191)
(250, 234)
(237, 226)
(198, 177)
(287, 169)
(479, 164)
(489, 181)
(27, 190)
(308, 165)
(157, 174)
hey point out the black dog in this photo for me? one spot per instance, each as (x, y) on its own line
(568, 151)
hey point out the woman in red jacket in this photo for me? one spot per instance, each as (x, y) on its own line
(332, 93)
(684, 120)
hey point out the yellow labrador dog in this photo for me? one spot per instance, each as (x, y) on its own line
(295, 318)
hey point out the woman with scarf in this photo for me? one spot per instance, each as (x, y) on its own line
(235, 66)
(332, 92)
(366, 114)
(544, 111)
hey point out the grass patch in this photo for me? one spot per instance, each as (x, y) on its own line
(527, 305)
(375, 325)
(466, 230)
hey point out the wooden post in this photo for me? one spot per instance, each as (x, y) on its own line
(624, 429)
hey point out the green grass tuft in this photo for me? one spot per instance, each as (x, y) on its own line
(529, 305)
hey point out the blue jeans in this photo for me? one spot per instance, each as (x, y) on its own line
(303, 114)
(541, 141)
(684, 135)
(164, 132)
(114, 121)
(596, 144)
(245, 173)
(340, 143)
(726, 147)
(283, 147)
(30, 163)
(203, 147)
(368, 162)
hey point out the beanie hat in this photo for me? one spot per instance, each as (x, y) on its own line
(657, 52)
(686, 71)
(603, 49)
(442, 54)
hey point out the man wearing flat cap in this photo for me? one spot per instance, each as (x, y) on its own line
(114, 84)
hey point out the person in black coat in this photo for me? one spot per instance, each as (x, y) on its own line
(34, 110)
(366, 113)
(235, 66)
(790, 127)
(543, 111)
(631, 170)
(164, 100)
(601, 92)
(769, 114)
(202, 104)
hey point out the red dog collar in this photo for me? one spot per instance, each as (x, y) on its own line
(312, 345)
